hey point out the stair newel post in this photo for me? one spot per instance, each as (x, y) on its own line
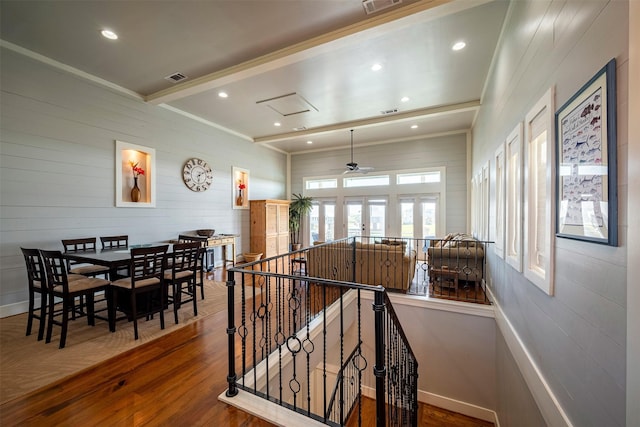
(231, 330)
(379, 369)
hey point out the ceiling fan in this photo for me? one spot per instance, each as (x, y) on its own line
(352, 167)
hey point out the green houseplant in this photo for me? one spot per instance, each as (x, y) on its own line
(299, 207)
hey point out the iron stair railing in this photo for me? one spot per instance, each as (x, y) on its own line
(275, 334)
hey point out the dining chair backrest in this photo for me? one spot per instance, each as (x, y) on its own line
(36, 278)
(55, 267)
(148, 263)
(185, 257)
(114, 242)
(87, 244)
(79, 245)
(35, 268)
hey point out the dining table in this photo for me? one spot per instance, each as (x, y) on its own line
(116, 260)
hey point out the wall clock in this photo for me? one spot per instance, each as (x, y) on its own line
(197, 174)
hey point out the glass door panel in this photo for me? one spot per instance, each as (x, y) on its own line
(406, 217)
(329, 222)
(429, 212)
(314, 223)
(355, 226)
(322, 221)
(377, 219)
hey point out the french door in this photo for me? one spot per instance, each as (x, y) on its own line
(366, 216)
(322, 221)
(419, 216)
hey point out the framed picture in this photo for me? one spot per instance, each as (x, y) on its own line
(586, 162)
(239, 188)
(135, 176)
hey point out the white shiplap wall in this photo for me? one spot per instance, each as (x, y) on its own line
(577, 337)
(57, 168)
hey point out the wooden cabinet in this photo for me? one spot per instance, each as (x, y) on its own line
(269, 227)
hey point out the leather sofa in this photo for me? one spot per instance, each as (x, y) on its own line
(389, 265)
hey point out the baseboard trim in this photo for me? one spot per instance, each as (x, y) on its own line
(549, 406)
(449, 404)
(16, 308)
(267, 410)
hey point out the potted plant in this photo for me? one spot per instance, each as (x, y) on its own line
(299, 207)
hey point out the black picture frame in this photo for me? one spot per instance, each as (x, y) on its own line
(586, 162)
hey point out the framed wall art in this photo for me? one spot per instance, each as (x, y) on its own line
(586, 155)
(240, 188)
(135, 176)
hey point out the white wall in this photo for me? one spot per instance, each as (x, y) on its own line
(57, 168)
(633, 207)
(449, 151)
(454, 344)
(577, 337)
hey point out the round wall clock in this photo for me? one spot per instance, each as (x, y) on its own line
(197, 174)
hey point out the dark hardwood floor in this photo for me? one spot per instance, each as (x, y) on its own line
(174, 380)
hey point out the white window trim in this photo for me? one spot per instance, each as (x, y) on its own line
(514, 207)
(393, 192)
(499, 205)
(486, 195)
(542, 278)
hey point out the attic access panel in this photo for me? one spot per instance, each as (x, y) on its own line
(288, 105)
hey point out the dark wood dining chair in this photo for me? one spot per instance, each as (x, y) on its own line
(114, 242)
(143, 293)
(182, 275)
(83, 245)
(59, 286)
(202, 264)
(37, 281)
(87, 244)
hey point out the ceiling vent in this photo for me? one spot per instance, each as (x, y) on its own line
(373, 6)
(300, 128)
(176, 77)
(393, 110)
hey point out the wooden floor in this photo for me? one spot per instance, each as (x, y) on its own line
(174, 380)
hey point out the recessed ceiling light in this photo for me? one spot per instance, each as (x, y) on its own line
(459, 45)
(309, 142)
(404, 99)
(109, 34)
(414, 126)
(223, 94)
(376, 67)
(276, 124)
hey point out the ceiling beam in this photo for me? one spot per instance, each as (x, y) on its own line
(373, 121)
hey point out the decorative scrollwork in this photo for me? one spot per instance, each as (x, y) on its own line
(294, 344)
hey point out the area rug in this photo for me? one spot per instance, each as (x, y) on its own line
(27, 364)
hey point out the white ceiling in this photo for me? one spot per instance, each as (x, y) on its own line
(319, 52)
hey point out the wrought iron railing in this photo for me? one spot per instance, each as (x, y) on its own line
(453, 267)
(347, 391)
(291, 317)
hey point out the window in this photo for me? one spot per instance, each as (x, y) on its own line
(539, 194)
(316, 184)
(513, 194)
(366, 181)
(358, 204)
(418, 177)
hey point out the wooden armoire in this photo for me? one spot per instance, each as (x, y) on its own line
(269, 227)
